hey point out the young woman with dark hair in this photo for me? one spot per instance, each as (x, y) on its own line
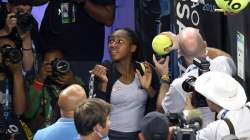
(126, 84)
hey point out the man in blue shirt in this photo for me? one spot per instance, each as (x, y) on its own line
(92, 119)
(64, 128)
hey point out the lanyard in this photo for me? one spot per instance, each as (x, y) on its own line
(7, 105)
(91, 86)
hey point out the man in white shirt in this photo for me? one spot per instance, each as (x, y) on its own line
(227, 97)
(189, 44)
(176, 99)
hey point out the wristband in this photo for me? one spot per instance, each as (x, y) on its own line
(165, 79)
(30, 49)
(37, 85)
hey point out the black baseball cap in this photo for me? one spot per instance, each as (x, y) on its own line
(154, 126)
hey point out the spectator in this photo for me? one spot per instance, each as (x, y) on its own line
(44, 90)
(12, 94)
(154, 126)
(92, 119)
(83, 29)
(228, 99)
(64, 128)
(124, 86)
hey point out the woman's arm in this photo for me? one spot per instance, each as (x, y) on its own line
(102, 13)
(39, 2)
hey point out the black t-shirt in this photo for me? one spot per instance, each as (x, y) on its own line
(82, 39)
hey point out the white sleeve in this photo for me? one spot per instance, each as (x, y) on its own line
(214, 131)
(175, 98)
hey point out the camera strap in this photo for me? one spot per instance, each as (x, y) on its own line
(230, 126)
(248, 107)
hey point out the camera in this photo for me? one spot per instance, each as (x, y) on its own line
(197, 99)
(203, 65)
(24, 21)
(59, 67)
(12, 54)
(185, 129)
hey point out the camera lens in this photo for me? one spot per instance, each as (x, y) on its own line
(62, 66)
(24, 21)
(11, 53)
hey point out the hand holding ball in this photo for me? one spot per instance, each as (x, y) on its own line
(161, 44)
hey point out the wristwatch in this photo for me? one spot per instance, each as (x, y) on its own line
(165, 79)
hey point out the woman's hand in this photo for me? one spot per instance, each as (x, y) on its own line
(146, 78)
(101, 73)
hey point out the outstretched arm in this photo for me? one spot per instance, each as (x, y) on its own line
(40, 2)
(101, 13)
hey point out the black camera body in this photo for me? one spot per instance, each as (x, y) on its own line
(59, 67)
(184, 134)
(13, 54)
(24, 21)
(185, 130)
(203, 64)
(203, 67)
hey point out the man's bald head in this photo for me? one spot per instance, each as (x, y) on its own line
(70, 98)
(191, 43)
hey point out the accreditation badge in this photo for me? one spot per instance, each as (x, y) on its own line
(68, 12)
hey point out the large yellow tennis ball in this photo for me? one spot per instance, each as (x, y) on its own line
(221, 4)
(233, 6)
(161, 44)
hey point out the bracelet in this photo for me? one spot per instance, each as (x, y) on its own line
(165, 79)
(37, 85)
(30, 49)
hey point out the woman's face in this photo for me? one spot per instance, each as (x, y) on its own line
(120, 45)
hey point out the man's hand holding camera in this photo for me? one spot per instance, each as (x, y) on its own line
(46, 70)
(67, 79)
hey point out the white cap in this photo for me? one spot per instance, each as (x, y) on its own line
(221, 89)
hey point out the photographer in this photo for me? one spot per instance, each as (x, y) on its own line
(189, 44)
(77, 27)
(20, 26)
(177, 99)
(12, 93)
(53, 76)
(228, 99)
